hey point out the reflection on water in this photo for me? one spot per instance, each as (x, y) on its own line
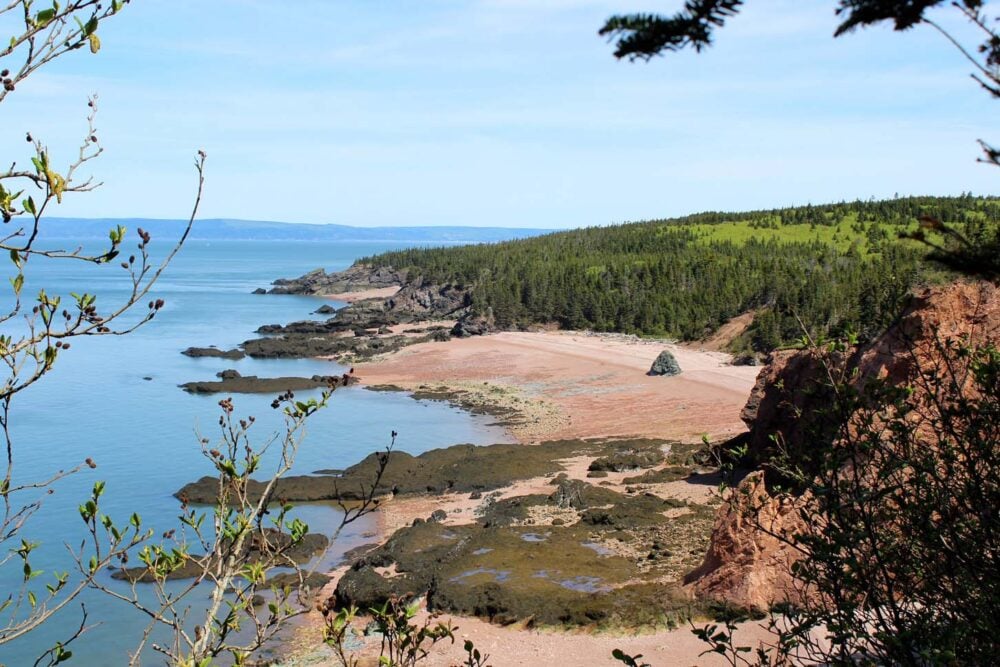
(585, 584)
(534, 537)
(498, 576)
(600, 549)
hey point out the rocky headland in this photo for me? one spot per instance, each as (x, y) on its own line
(384, 313)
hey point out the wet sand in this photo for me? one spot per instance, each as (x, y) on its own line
(579, 385)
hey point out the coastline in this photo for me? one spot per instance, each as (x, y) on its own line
(577, 384)
(549, 386)
(521, 644)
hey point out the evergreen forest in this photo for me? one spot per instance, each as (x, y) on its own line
(836, 270)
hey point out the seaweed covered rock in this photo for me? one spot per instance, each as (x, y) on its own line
(627, 459)
(506, 568)
(230, 381)
(665, 364)
(460, 468)
(213, 352)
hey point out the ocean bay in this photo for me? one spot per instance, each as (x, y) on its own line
(143, 433)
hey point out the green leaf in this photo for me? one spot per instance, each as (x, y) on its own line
(43, 17)
(17, 282)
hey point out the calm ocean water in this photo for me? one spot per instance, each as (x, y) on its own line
(142, 433)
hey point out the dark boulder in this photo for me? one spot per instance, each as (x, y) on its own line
(745, 360)
(474, 325)
(665, 364)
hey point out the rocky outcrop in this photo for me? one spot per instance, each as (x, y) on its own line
(789, 405)
(792, 405)
(230, 381)
(665, 364)
(334, 326)
(213, 352)
(792, 399)
(358, 278)
(362, 329)
(474, 325)
(361, 344)
(747, 566)
(429, 301)
(962, 311)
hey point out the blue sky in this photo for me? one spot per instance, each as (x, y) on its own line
(500, 112)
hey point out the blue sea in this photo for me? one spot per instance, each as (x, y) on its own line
(116, 400)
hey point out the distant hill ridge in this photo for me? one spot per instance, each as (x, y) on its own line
(260, 230)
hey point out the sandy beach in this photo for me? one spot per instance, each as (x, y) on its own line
(565, 385)
(579, 385)
(360, 295)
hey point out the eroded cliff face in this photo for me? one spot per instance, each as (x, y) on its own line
(746, 566)
(790, 408)
(959, 312)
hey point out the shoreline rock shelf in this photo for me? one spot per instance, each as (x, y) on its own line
(234, 355)
(567, 553)
(455, 469)
(230, 381)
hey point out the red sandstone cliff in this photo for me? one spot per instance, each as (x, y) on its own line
(744, 565)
